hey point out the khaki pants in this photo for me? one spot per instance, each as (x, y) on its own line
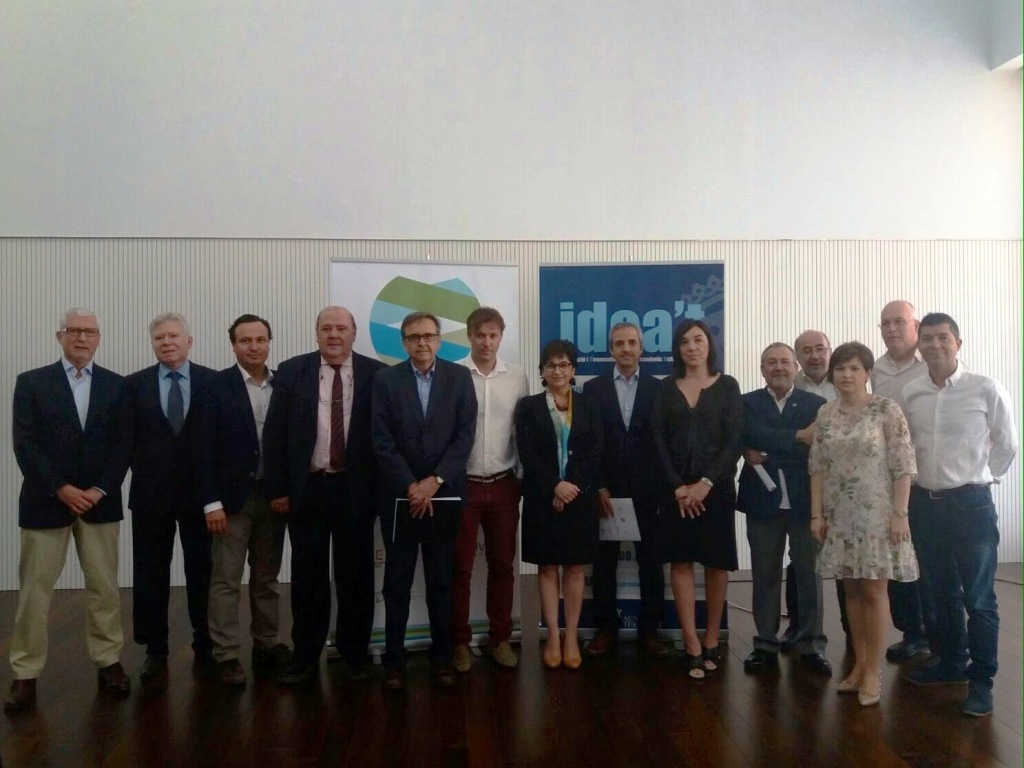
(43, 553)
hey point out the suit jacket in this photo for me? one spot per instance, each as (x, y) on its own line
(232, 444)
(410, 446)
(765, 429)
(538, 447)
(629, 463)
(289, 433)
(164, 464)
(52, 449)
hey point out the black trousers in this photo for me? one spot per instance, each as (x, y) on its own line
(153, 547)
(325, 515)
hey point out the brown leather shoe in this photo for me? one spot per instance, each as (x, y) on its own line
(603, 642)
(230, 672)
(21, 697)
(113, 679)
(652, 646)
(394, 679)
(444, 675)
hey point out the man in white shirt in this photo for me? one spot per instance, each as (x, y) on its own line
(240, 520)
(963, 429)
(492, 499)
(813, 352)
(899, 365)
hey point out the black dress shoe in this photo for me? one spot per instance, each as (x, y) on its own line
(603, 642)
(22, 696)
(359, 672)
(759, 658)
(817, 662)
(113, 679)
(394, 679)
(297, 674)
(154, 666)
(279, 655)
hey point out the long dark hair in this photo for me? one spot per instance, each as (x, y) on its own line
(678, 366)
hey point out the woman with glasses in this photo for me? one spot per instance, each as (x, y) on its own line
(698, 433)
(861, 465)
(558, 435)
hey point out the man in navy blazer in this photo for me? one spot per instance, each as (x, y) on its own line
(774, 493)
(320, 474)
(166, 406)
(240, 520)
(625, 398)
(68, 441)
(424, 423)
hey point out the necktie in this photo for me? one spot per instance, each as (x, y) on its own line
(175, 403)
(337, 453)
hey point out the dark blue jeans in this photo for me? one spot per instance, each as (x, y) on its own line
(956, 538)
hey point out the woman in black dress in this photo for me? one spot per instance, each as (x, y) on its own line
(698, 432)
(558, 434)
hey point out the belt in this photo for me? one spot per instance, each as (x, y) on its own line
(328, 474)
(488, 479)
(950, 492)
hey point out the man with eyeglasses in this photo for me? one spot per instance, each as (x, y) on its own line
(319, 474)
(901, 364)
(167, 406)
(68, 441)
(424, 422)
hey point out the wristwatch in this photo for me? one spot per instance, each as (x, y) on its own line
(440, 480)
(708, 482)
(900, 512)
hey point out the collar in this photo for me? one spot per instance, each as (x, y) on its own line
(617, 375)
(779, 399)
(184, 370)
(346, 362)
(499, 366)
(68, 366)
(428, 375)
(247, 377)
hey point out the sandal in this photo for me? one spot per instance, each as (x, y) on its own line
(711, 659)
(695, 665)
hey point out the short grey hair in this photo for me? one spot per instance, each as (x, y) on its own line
(170, 317)
(620, 326)
(76, 312)
(779, 345)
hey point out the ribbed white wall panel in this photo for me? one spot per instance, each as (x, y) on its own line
(775, 290)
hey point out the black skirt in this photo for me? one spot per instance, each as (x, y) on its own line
(709, 539)
(569, 537)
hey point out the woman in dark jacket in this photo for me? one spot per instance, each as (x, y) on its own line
(558, 434)
(697, 426)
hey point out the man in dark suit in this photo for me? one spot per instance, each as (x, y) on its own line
(167, 404)
(240, 520)
(775, 495)
(68, 441)
(625, 398)
(320, 473)
(424, 421)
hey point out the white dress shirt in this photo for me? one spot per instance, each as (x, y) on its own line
(889, 379)
(497, 393)
(963, 431)
(81, 386)
(321, 458)
(825, 389)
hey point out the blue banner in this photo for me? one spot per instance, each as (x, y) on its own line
(582, 303)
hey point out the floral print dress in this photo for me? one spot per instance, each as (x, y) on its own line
(859, 455)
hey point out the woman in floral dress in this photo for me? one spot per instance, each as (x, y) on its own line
(861, 465)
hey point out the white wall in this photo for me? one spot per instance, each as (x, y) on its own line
(679, 119)
(1007, 40)
(774, 290)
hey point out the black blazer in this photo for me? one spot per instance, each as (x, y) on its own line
(289, 433)
(410, 446)
(52, 449)
(164, 464)
(629, 463)
(765, 429)
(232, 445)
(538, 447)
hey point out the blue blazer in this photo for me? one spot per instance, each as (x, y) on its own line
(232, 444)
(410, 446)
(52, 449)
(629, 463)
(289, 433)
(774, 433)
(164, 463)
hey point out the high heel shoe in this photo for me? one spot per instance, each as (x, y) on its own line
(694, 664)
(571, 662)
(554, 660)
(849, 685)
(711, 659)
(866, 699)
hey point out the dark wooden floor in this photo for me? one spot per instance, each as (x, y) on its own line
(621, 711)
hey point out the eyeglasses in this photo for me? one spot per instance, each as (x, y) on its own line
(416, 338)
(899, 322)
(89, 333)
(552, 367)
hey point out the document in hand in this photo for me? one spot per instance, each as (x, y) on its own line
(440, 528)
(622, 527)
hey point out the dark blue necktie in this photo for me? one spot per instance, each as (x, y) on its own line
(175, 403)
